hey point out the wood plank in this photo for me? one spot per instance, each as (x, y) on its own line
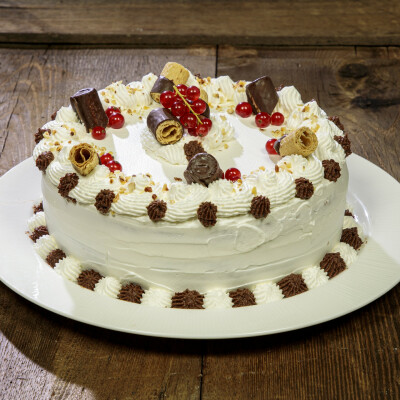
(353, 357)
(42, 355)
(157, 22)
(360, 85)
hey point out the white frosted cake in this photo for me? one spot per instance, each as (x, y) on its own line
(151, 231)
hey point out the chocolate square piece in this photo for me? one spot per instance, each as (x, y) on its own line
(86, 103)
(261, 94)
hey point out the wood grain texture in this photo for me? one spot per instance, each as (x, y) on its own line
(178, 22)
(45, 356)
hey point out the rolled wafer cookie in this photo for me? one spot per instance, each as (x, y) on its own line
(84, 158)
(303, 142)
(165, 126)
(162, 84)
(175, 72)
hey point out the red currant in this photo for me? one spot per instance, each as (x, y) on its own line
(277, 119)
(263, 120)
(193, 93)
(269, 146)
(201, 130)
(199, 106)
(182, 89)
(106, 158)
(232, 174)
(189, 120)
(192, 131)
(116, 121)
(244, 109)
(98, 133)
(167, 98)
(112, 110)
(114, 166)
(179, 108)
(207, 122)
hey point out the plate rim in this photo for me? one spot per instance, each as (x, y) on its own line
(167, 323)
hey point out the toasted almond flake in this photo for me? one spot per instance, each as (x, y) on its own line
(262, 168)
(254, 191)
(165, 188)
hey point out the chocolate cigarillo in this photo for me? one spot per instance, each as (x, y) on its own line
(86, 103)
(165, 126)
(262, 95)
(162, 84)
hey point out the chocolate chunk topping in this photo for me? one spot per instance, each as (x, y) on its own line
(347, 213)
(89, 278)
(292, 285)
(207, 214)
(39, 134)
(39, 232)
(192, 148)
(335, 119)
(37, 208)
(44, 160)
(189, 299)
(344, 141)
(54, 257)
(262, 95)
(242, 298)
(351, 237)
(156, 210)
(332, 264)
(162, 84)
(331, 170)
(104, 201)
(86, 103)
(67, 183)
(131, 292)
(165, 127)
(203, 168)
(304, 188)
(260, 207)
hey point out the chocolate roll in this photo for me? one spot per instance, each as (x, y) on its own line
(206, 113)
(262, 96)
(203, 168)
(162, 84)
(165, 126)
(86, 103)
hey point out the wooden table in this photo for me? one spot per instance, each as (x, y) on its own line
(45, 356)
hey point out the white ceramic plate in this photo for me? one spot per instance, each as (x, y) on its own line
(374, 194)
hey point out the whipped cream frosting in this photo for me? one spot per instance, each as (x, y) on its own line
(227, 140)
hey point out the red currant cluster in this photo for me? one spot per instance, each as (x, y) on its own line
(263, 119)
(187, 106)
(108, 160)
(115, 121)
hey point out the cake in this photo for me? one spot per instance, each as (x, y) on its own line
(139, 205)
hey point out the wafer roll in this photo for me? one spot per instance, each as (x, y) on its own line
(86, 103)
(165, 126)
(175, 72)
(203, 95)
(84, 158)
(303, 141)
(162, 84)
